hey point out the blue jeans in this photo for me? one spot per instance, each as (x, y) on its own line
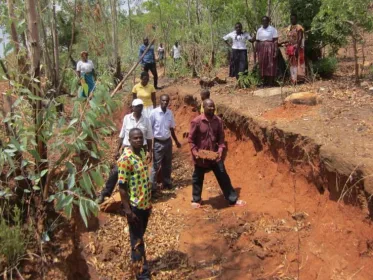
(221, 176)
(137, 231)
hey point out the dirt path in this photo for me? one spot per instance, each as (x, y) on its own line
(288, 230)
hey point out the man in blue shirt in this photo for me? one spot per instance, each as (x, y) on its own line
(148, 61)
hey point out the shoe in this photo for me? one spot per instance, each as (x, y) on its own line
(100, 199)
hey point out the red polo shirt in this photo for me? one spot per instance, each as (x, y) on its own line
(206, 134)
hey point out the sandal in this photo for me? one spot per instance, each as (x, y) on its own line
(196, 205)
(239, 203)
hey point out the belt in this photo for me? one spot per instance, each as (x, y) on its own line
(161, 140)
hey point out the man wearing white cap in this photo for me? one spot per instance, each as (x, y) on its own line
(133, 120)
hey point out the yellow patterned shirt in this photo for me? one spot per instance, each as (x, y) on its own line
(133, 171)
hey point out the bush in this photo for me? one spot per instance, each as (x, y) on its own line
(13, 239)
(325, 67)
(248, 80)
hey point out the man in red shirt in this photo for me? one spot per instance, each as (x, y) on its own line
(207, 133)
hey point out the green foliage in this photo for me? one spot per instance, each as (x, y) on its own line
(249, 80)
(325, 67)
(70, 139)
(337, 18)
(13, 238)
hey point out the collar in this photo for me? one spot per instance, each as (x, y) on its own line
(159, 109)
(133, 117)
(203, 117)
(128, 152)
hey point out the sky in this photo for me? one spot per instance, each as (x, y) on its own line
(3, 42)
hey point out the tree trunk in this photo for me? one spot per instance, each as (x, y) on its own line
(115, 57)
(269, 3)
(33, 32)
(56, 54)
(356, 58)
(212, 58)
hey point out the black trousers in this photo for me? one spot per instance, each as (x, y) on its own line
(137, 231)
(239, 63)
(153, 68)
(221, 176)
(111, 182)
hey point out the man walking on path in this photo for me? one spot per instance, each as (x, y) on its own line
(148, 62)
(163, 125)
(207, 134)
(135, 195)
(176, 52)
(134, 120)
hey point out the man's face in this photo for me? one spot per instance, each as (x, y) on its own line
(136, 139)
(209, 108)
(293, 20)
(165, 100)
(146, 41)
(138, 109)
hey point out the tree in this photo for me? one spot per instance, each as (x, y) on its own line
(339, 19)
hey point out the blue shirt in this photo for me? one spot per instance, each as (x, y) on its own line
(149, 56)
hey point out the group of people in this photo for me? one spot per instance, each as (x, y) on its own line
(146, 136)
(267, 50)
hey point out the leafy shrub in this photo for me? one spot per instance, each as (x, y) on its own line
(248, 80)
(13, 239)
(325, 67)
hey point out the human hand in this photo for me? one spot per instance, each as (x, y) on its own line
(195, 154)
(148, 157)
(220, 154)
(131, 217)
(178, 145)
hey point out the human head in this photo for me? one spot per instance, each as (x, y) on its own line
(144, 78)
(238, 27)
(176, 43)
(293, 19)
(84, 55)
(136, 138)
(209, 107)
(146, 41)
(205, 94)
(161, 45)
(265, 21)
(164, 100)
(137, 106)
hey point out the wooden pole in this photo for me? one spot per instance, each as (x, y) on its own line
(132, 69)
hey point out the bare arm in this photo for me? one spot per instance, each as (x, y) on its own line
(154, 100)
(174, 137)
(123, 191)
(134, 95)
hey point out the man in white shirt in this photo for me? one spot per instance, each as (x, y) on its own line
(239, 62)
(163, 126)
(176, 52)
(130, 121)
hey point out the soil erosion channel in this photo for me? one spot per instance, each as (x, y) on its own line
(289, 229)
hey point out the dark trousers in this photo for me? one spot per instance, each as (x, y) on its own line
(153, 68)
(137, 231)
(111, 182)
(162, 157)
(222, 177)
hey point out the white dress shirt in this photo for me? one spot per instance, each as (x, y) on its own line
(238, 41)
(161, 123)
(85, 67)
(266, 34)
(176, 51)
(129, 122)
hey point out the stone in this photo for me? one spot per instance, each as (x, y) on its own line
(364, 84)
(112, 204)
(371, 89)
(267, 92)
(303, 98)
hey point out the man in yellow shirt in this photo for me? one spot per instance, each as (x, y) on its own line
(145, 92)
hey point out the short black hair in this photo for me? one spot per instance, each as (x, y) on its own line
(205, 92)
(164, 94)
(294, 15)
(238, 23)
(267, 18)
(133, 130)
(144, 74)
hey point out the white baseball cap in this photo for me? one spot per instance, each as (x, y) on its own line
(137, 102)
